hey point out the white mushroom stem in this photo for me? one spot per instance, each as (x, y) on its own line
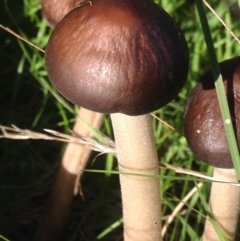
(66, 183)
(224, 204)
(136, 153)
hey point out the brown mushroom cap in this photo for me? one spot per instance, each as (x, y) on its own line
(54, 10)
(124, 56)
(203, 124)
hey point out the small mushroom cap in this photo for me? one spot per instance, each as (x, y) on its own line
(54, 10)
(112, 56)
(203, 124)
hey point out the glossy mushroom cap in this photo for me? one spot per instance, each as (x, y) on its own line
(203, 125)
(54, 10)
(111, 56)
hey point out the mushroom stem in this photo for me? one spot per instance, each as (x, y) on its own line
(224, 206)
(136, 152)
(75, 156)
(66, 183)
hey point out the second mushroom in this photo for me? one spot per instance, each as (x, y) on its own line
(204, 131)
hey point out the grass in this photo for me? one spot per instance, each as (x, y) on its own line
(28, 100)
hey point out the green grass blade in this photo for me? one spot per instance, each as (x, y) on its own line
(110, 229)
(3, 238)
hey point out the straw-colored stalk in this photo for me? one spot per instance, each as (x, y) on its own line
(136, 153)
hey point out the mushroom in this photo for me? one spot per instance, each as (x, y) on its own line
(55, 10)
(126, 58)
(74, 160)
(204, 131)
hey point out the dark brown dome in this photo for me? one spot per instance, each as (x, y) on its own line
(126, 56)
(203, 125)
